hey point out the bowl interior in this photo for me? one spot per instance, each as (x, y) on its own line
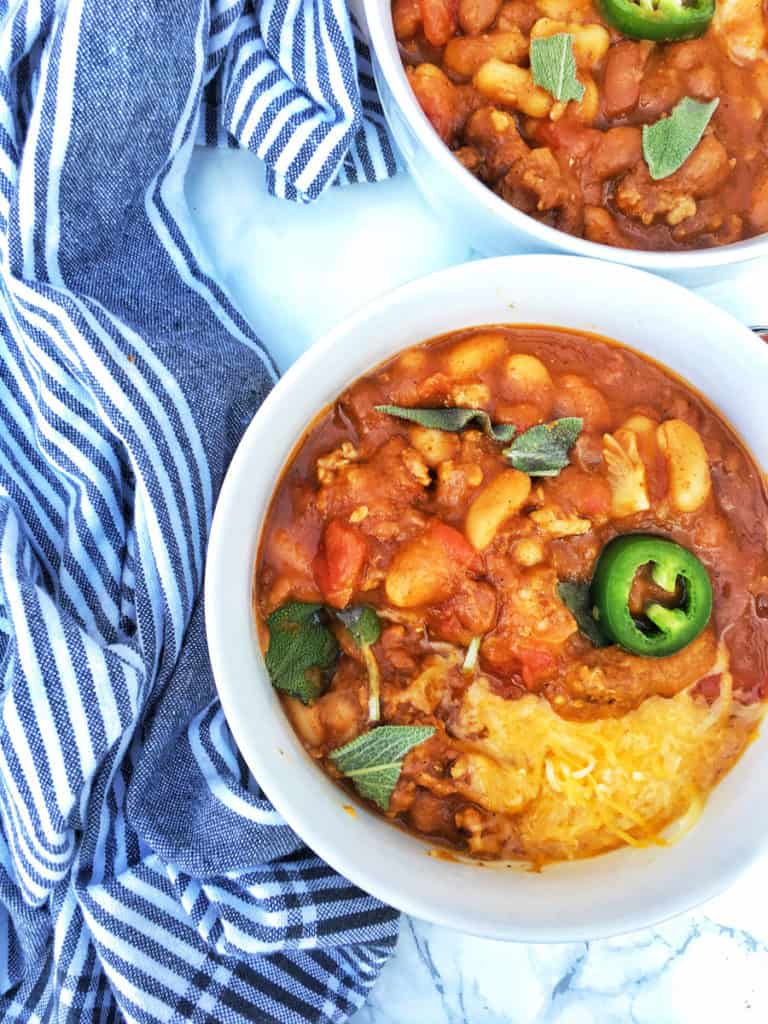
(415, 136)
(605, 895)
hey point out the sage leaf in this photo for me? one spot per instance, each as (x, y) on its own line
(373, 761)
(577, 598)
(378, 783)
(669, 142)
(302, 650)
(543, 450)
(554, 66)
(452, 420)
(362, 622)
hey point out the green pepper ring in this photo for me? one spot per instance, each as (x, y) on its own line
(668, 21)
(612, 583)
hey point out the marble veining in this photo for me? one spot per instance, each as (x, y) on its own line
(294, 272)
(708, 966)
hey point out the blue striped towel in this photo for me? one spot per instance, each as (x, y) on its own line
(143, 876)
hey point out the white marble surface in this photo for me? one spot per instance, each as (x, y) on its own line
(294, 272)
(710, 967)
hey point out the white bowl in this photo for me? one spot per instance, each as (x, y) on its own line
(605, 895)
(491, 225)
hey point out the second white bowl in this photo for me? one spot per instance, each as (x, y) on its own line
(492, 226)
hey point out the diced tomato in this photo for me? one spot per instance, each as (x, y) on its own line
(338, 564)
(459, 550)
(573, 139)
(535, 665)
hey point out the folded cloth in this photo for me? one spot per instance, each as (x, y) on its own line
(143, 875)
(282, 81)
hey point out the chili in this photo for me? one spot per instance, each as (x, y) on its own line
(667, 630)
(663, 21)
(446, 566)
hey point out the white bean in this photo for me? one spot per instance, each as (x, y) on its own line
(435, 446)
(503, 497)
(512, 86)
(687, 465)
(472, 356)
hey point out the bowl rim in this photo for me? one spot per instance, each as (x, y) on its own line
(387, 63)
(216, 579)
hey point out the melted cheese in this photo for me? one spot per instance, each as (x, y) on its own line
(577, 788)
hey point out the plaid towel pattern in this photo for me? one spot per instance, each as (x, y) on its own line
(143, 875)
